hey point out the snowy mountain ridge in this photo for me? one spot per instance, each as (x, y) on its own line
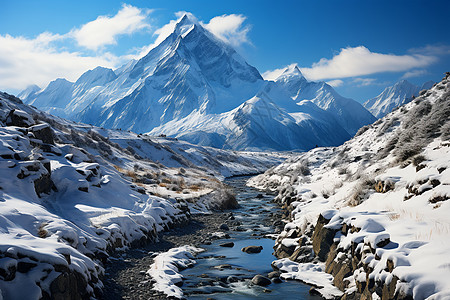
(348, 113)
(193, 80)
(369, 219)
(394, 96)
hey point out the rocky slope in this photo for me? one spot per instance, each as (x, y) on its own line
(370, 217)
(71, 193)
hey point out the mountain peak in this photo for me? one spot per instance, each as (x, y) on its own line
(403, 82)
(30, 90)
(187, 19)
(291, 71)
(185, 24)
(427, 85)
(392, 96)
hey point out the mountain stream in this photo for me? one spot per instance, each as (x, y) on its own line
(226, 272)
(220, 272)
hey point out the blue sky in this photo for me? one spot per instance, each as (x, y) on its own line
(358, 46)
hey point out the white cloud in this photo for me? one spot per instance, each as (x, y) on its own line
(35, 61)
(360, 61)
(364, 81)
(414, 73)
(226, 27)
(335, 82)
(229, 28)
(104, 30)
(161, 34)
(273, 74)
(26, 61)
(439, 50)
(39, 60)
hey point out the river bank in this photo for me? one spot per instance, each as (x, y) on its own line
(125, 272)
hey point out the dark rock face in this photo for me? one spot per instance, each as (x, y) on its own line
(8, 273)
(43, 132)
(261, 280)
(25, 267)
(302, 254)
(231, 279)
(19, 118)
(252, 249)
(69, 286)
(43, 184)
(322, 238)
(283, 252)
(229, 201)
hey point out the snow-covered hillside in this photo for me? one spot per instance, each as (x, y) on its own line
(372, 213)
(195, 87)
(394, 96)
(71, 193)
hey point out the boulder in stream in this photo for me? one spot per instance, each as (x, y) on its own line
(228, 245)
(252, 249)
(261, 280)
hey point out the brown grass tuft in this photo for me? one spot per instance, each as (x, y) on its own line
(42, 232)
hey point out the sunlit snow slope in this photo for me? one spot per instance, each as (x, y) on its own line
(384, 199)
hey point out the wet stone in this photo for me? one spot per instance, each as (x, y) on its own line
(252, 249)
(261, 280)
(223, 267)
(273, 274)
(228, 245)
(224, 227)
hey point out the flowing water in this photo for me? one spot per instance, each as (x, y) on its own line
(226, 273)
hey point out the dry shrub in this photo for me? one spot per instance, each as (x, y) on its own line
(119, 169)
(360, 192)
(42, 232)
(418, 159)
(166, 180)
(194, 188)
(394, 216)
(131, 174)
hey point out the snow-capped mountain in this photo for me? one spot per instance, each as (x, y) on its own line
(348, 113)
(198, 88)
(394, 96)
(260, 124)
(29, 91)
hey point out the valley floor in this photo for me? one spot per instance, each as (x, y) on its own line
(125, 272)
